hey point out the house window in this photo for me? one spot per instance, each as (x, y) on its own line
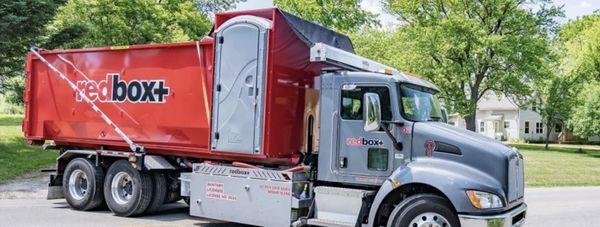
(526, 127)
(506, 124)
(539, 127)
(481, 126)
(558, 128)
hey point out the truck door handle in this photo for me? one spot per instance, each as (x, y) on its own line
(343, 162)
(250, 91)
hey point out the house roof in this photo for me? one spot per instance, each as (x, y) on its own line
(492, 101)
(493, 118)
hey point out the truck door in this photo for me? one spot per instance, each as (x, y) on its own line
(360, 152)
(239, 74)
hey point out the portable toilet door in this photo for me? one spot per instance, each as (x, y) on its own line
(240, 69)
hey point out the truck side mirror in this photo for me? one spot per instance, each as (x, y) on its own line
(371, 112)
(444, 115)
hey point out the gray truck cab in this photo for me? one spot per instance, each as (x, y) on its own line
(385, 133)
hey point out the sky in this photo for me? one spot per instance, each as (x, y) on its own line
(572, 8)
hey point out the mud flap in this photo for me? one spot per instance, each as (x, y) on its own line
(55, 190)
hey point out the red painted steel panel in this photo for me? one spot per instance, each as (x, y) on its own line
(181, 121)
(181, 125)
(289, 75)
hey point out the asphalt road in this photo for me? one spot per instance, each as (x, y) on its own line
(564, 206)
(572, 206)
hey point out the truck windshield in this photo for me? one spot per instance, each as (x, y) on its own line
(419, 103)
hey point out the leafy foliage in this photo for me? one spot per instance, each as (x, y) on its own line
(211, 6)
(576, 62)
(554, 97)
(469, 47)
(14, 90)
(92, 23)
(374, 44)
(21, 26)
(580, 43)
(578, 66)
(340, 15)
(586, 116)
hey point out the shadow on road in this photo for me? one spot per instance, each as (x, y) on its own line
(168, 213)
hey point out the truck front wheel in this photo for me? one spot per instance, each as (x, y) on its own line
(426, 210)
(82, 184)
(127, 191)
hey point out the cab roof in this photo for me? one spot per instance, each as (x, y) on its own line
(399, 77)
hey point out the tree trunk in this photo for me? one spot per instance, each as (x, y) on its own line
(471, 122)
(548, 126)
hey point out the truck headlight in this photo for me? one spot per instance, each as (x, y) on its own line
(484, 200)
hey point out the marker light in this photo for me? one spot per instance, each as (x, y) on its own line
(484, 200)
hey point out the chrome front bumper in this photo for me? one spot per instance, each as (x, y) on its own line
(512, 218)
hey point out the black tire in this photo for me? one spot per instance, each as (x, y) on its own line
(172, 197)
(159, 192)
(88, 195)
(174, 190)
(139, 189)
(418, 205)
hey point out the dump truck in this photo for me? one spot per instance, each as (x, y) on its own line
(270, 120)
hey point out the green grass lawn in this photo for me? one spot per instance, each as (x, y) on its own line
(16, 157)
(560, 166)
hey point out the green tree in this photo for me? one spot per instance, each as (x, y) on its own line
(573, 58)
(374, 44)
(339, 15)
(21, 26)
(469, 47)
(585, 119)
(554, 97)
(213, 6)
(92, 23)
(14, 90)
(579, 42)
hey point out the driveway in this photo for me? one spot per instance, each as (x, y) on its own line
(22, 203)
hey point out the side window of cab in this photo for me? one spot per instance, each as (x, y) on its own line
(352, 106)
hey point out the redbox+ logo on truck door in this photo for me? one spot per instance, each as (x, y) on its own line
(113, 89)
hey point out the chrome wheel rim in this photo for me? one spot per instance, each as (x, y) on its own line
(78, 184)
(121, 188)
(429, 219)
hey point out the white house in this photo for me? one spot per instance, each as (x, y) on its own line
(500, 118)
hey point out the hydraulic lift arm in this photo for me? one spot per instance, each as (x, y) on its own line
(321, 52)
(137, 149)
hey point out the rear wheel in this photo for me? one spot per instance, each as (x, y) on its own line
(426, 210)
(174, 189)
(82, 184)
(159, 192)
(172, 196)
(128, 192)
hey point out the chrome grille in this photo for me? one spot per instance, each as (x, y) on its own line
(516, 177)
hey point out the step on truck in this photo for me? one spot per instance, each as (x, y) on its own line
(270, 120)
